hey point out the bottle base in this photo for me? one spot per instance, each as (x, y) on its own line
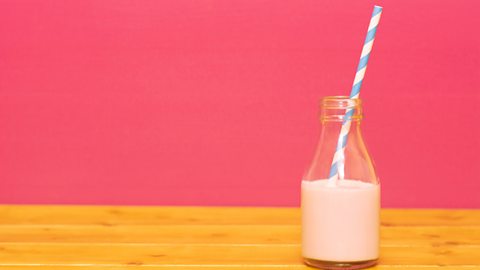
(331, 265)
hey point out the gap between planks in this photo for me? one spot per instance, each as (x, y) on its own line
(218, 266)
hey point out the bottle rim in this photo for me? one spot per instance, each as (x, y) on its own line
(340, 102)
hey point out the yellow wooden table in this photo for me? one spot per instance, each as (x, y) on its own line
(93, 237)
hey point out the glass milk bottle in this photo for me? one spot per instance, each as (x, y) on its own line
(340, 203)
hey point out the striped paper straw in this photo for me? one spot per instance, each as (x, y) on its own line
(337, 170)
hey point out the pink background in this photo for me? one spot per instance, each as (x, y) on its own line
(215, 102)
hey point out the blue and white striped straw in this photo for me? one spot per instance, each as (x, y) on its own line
(337, 170)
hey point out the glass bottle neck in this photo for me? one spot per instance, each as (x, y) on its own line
(341, 140)
(336, 109)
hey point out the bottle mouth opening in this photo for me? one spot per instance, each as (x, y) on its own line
(335, 108)
(340, 102)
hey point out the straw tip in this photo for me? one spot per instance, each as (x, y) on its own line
(376, 10)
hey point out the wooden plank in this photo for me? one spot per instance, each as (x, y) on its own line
(225, 234)
(187, 234)
(430, 236)
(430, 217)
(146, 215)
(132, 215)
(171, 255)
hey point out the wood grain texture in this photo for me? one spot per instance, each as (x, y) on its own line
(148, 215)
(199, 254)
(225, 234)
(104, 237)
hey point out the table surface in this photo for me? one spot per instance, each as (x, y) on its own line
(105, 237)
